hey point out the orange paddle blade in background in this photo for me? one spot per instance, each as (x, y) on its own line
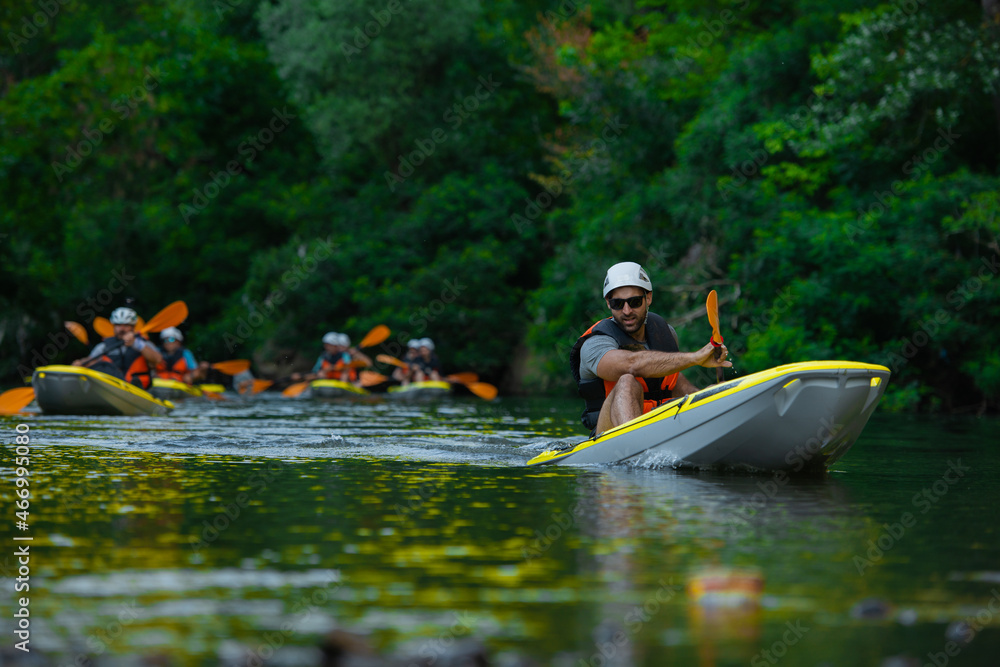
(260, 385)
(462, 378)
(232, 367)
(386, 359)
(171, 316)
(371, 378)
(15, 400)
(482, 390)
(78, 331)
(295, 389)
(103, 327)
(377, 335)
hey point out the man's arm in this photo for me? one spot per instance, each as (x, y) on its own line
(149, 351)
(651, 363)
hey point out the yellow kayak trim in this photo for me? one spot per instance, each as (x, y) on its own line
(338, 384)
(414, 386)
(167, 383)
(704, 397)
(104, 378)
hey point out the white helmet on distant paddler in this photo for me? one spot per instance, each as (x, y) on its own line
(331, 338)
(428, 343)
(345, 340)
(171, 332)
(413, 343)
(123, 316)
(626, 274)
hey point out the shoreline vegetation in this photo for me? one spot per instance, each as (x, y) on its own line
(831, 170)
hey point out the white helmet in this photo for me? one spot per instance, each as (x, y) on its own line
(123, 316)
(413, 343)
(345, 340)
(171, 332)
(331, 338)
(427, 342)
(626, 274)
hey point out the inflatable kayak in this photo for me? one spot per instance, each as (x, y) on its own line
(335, 389)
(797, 417)
(428, 389)
(75, 390)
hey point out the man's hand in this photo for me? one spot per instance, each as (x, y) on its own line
(128, 338)
(706, 357)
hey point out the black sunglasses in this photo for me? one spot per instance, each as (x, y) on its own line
(633, 302)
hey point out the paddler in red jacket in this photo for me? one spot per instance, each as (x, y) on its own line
(125, 355)
(629, 363)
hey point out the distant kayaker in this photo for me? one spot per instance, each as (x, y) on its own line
(627, 364)
(178, 361)
(405, 375)
(125, 355)
(426, 366)
(339, 361)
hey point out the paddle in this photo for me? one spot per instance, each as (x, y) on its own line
(15, 400)
(712, 308)
(371, 378)
(78, 331)
(260, 385)
(172, 315)
(470, 380)
(103, 327)
(377, 335)
(232, 367)
(295, 389)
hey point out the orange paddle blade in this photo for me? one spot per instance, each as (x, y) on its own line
(78, 331)
(386, 359)
(171, 316)
(233, 366)
(371, 378)
(375, 336)
(213, 395)
(139, 324)
(295, 389)
(260, 385)
(103, 327)
(15, 400)
(712, 307)
(358, 363)
(463, 378)
(483, 390)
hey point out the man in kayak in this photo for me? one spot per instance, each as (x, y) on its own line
(339, 361)
(627, 364)
(125, 355)
(427, 366)
(405, 375)
(178, 362)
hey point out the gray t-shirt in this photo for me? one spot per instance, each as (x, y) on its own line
(594, 349)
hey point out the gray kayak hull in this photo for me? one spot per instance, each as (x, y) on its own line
(74, 390)
(797, 417)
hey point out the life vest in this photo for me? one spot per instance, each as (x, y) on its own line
(333, 367)
(129, 361)
(174, 366)
(427, 365)
(655, 391)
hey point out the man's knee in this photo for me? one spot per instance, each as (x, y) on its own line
(627, 383)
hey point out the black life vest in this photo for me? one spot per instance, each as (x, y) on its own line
(128, 360)
(659, 336)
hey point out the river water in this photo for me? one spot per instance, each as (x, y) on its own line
(245, 530)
